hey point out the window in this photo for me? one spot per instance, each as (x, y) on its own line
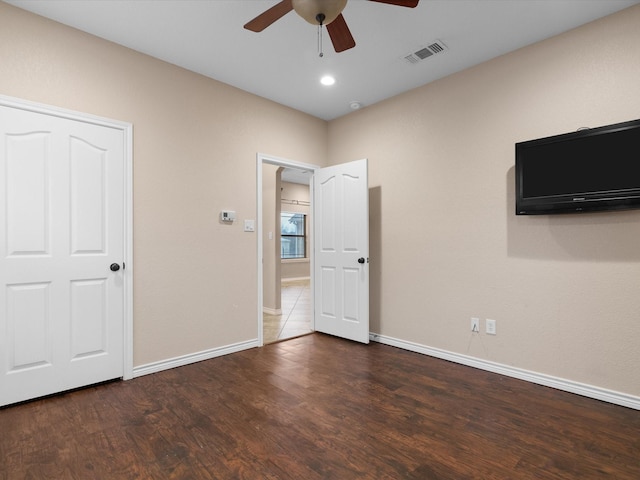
(293, 238)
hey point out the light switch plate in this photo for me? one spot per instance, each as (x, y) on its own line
(249, 226)
(491, 327)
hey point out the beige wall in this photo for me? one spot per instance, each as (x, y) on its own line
(300, 193)
(271, 269)
(446, 244)
(195, 144)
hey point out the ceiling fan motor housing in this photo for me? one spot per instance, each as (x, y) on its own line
(311, 10)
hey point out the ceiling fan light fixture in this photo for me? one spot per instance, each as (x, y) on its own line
(311, 9)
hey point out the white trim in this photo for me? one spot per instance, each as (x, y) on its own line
(294, 260)
(293, 279)
(270, 159)
(127, 130)
(183, 360)
(55, 111)
(273, 160)
(583, 389)
(272, 311)
(259, 250)
(128, 254)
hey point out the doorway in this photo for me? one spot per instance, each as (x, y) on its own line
(339, 247)
(286, 250)
(285, 227)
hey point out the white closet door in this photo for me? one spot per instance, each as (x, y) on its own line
(62, 224)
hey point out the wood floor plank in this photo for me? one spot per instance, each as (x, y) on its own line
(318, 407)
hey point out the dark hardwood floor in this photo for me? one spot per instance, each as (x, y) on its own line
(318, 407)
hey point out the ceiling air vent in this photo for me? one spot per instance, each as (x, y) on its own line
(426, 52)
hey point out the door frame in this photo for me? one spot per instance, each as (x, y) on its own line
(127, 130)
(281, 162)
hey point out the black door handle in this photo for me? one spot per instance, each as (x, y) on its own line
(361, 260)
(114, 267)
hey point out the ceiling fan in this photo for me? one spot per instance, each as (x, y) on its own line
(319, 12)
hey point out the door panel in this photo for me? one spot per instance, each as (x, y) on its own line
(88, 318)
(341, 282)
(27, 222)
(28, 326)
(328, 299)
(88, 199)
(326, 194)
(63, 220)
(351, 288)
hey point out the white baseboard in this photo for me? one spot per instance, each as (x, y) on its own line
(585, 390)
(272, 311)
(192, 358)
(294, 279)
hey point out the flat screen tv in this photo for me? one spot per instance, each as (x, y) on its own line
(587, 170)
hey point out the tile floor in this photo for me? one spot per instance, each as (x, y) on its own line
(296, 313)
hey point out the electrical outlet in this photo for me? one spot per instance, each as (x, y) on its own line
(491, 327)
(475, 324)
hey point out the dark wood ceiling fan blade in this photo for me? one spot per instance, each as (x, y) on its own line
(340, 35)
(400, 3)
(269, 16)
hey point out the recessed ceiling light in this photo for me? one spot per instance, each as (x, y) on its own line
(327, 80)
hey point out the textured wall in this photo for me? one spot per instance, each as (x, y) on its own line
(446, 244)
(195, 144)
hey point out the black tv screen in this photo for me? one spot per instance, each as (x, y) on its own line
(588, 170)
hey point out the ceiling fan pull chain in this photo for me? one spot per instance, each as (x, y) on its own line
(320, 18)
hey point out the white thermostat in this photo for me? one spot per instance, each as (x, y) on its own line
(227, 215)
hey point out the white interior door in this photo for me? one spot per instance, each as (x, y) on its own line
(62, 223)
(341, 233)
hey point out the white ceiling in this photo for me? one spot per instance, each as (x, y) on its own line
(282, 63)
